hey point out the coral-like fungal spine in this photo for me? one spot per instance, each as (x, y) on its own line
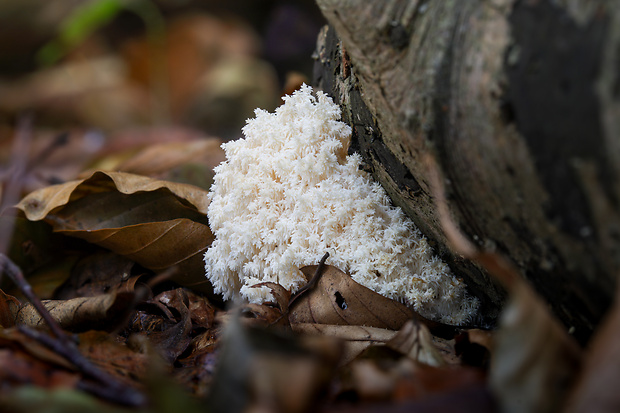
(288, 192)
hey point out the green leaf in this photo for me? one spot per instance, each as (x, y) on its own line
(78, 26)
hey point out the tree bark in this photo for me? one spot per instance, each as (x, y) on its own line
(519, 102)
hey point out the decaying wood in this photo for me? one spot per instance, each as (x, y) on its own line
(519, 103)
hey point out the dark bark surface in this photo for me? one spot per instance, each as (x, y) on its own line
(519, 102)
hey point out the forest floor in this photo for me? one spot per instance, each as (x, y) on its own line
(107, 154)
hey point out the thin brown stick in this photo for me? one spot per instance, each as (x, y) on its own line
(457, 240)
(496, 264)
(14, 177)
(65, 346)
(58, 142)
(107, 386)
(8, 267)
(312, 283)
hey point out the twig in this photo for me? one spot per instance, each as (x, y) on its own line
(108, 387)
(58, 142)
(65, 346)
(14, 177)
(16, 174)
(457, 240)
(496, 264)
(120, 393)
(9, 268)
(312, 283)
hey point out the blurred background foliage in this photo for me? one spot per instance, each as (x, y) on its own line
(109, 65)
(149, 87)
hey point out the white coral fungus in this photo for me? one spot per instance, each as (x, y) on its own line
(288, 193)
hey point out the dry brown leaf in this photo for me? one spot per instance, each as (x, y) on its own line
(281, 295)
(26, 361)
(534, 359)
(382, 383)
(596, 387)
(169, 333)
(201, 311)
(18, 368)
(455, 387)
(156, 223)
(337, 299)
(122, 144)
(268, 314)
(370, 382)
(196, 369)
(40, 203)
(80, 314)
(161, 158)
(404, 380)
(9, 306)
(255, 315)
(262, 315)
(116, 359)
(270, 370)
(13, 339)
(96, 274)
(159, 245)
(91, 92)
(189, 160)
(356, 339)
(483, 338)
(54, 155)
(286, 384)
(413, 340)
(370, 335)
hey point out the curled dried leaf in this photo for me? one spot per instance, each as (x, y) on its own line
(40, 203)
(281, 295)
(337, 299)
(102, 312)
(169, 329)
(155, 223)
(413, 340)
(534, 360)
(595, 389)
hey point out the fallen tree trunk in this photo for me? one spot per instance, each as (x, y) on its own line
(519, 103)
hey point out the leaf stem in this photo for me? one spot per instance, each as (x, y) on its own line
(8, 267)
(313, 281)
